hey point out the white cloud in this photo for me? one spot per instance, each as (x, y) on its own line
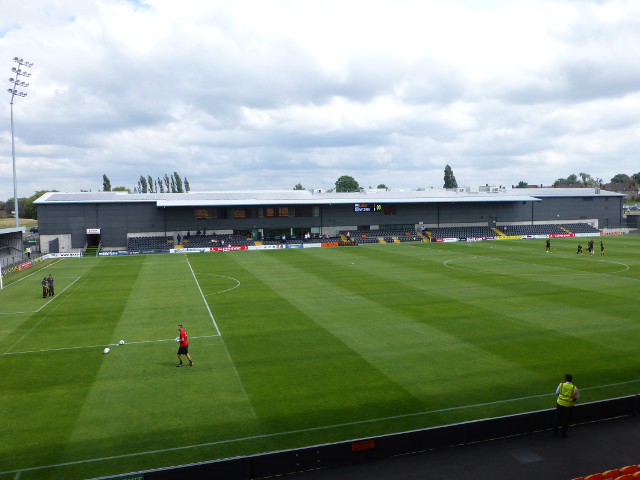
(266, 94)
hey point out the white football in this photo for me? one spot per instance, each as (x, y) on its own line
(106, 350)
(121, 342)
(177, 339)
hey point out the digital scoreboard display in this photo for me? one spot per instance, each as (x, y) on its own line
(368, 207)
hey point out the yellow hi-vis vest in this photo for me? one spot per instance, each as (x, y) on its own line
(565, 398)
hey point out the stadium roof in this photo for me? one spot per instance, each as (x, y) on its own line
(310, 197)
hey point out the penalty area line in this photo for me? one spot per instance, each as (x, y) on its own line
(215, 325)
(46, 303)
(45, 350)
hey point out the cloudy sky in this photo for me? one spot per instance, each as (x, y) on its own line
(267, 94)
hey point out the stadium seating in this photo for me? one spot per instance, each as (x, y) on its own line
(581, 228)
(629, 469)
(462, 232)
(365, 240)
(511, 230)
(595, 476)
(360, 237)
(148, 244)
(630, 472)
(387, 232)
(410, 238)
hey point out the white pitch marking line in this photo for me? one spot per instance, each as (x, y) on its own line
(222, 276)
(39, 321)
(202, 294)
(31, 274)
(46, 350)
(304, 430)
(63, 290)
(46, 303)
(231, 362)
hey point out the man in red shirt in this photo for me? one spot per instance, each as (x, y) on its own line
(184, 346)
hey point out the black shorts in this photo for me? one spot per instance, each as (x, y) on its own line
(183, 350)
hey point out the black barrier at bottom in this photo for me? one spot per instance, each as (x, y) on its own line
(385, 446)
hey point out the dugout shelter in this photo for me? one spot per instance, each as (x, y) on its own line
(70, 222)
(11, 250)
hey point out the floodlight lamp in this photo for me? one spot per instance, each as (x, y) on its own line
(10, 90)
(11, 80)
(15, 59)
(14, 69)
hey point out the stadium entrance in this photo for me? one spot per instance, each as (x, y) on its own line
(93, 237)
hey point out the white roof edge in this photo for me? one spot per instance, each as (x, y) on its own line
(280, 197)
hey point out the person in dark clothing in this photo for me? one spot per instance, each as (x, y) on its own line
(50, 285)
(45, 287)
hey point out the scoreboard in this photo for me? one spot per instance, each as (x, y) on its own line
(368, 207)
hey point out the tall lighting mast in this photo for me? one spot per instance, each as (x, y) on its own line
(17, 83)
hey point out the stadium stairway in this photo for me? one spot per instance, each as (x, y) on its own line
(500, 233)
(91, 251)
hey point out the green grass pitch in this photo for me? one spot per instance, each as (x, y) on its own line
(300, 347)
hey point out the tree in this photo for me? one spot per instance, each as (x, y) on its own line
(347, 184)
(178, 182)
(122, 189)
(622, 178)
(187, 188)
(142, 185)
(382, 186)
(298, 187)
(636, 177)
(589, 180)
(30, 210)
(160, 185)
(150, 182)
(449, 179)
(173, 185)
(106, 183)
(166, 182)
(570, 180)
(522, 184)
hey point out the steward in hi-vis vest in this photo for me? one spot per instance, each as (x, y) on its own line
(567, 395)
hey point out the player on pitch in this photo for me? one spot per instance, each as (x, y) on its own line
(184, 346)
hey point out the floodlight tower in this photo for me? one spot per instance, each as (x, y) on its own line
(16, 82)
